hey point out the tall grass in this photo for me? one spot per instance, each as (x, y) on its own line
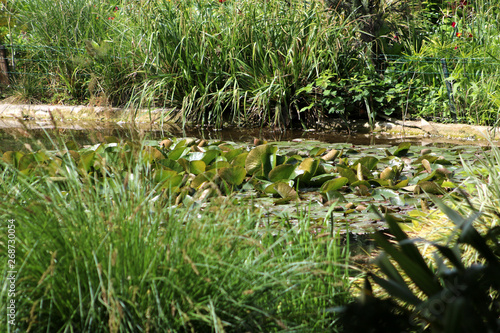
(110, 254)
(243, 62)
(237, 60)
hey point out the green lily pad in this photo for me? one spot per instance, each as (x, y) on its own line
(197, 167)
(282, 172)
(347, 173)
(334, 184)
(261, 160)
(402, 149)
(233, 175)
(369, 162)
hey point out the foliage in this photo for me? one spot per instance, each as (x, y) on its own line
(280, 63)
(100, 246)
(452, 297)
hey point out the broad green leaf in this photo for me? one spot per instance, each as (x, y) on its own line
(216, 165)
(87, 160)
(369, 162)
(197, 167)
(282, 172)
(285, 190)
(347, 173)
(309, 166)
(239, 160)
(178, 153)
(207, 176)
(334, 184)
(402, 149)
(260, 159)
(316, 151)
(233, 175)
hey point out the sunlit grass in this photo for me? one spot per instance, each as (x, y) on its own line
(111, 254)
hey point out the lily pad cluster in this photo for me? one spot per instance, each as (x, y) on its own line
(279, 176)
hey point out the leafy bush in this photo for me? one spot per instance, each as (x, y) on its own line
(452, 297)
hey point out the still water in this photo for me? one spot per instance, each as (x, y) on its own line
(14, 134)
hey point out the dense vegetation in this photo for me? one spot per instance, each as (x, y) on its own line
(285, 63)
(189, 235)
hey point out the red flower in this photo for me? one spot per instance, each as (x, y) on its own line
(221, 1)
(453, 24)
(116, 9)
(459, 34)
(111, 18)
(456, 47)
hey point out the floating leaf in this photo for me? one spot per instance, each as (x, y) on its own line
(426, 165)
(233, 175)
(348, 173)
(369, 162)
(218, 165)
(282, 172)
(402, 149)
(334, 184)
(259, 160)
(87, 160)
(429, 187)
(388, 173)
(203, 177)
(316, 151)
(178, 153)
(197, 167)
(309, 166)
(331, 155)
(285, 190)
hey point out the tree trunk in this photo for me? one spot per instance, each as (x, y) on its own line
(4, 67)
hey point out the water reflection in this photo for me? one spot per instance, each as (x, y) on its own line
(15, 134)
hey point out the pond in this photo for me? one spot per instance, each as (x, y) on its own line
(341, 182)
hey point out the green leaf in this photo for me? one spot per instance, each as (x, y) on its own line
(369, 162)
(334, 184)
(233, 175)
(347, 173)
(197, 167)
(260, 160)
(282, 172)
(402, 149)
(398, 290)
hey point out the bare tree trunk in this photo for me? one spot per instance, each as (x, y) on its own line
(4, 67)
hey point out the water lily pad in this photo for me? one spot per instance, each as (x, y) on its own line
(309, 166)
(369, 162)
(282, 172)
(334, 184)
(347, 173)
(285, 190)
(429, 187)
(317, 151)
(197, 167)
(233, 175)
(87, 160)
(261, 159)
(207, 176)
(331, 155)
(402, 149)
